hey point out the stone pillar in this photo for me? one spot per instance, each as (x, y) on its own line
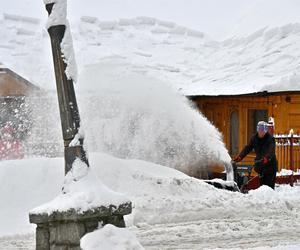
(63, 230)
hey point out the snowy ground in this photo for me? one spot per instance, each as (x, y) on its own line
(276, 232)
(171, 210)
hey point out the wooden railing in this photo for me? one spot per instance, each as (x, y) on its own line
(288, 151)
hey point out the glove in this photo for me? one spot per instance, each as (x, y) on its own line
(265, 160)
(237, 158)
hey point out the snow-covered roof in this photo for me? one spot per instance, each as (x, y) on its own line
(188, 60)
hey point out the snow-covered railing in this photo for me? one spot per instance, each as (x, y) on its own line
(288, 152)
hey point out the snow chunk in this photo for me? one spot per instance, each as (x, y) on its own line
(108, 25)
(112, 238)
(146, 20)
(58, 14)
(21, 18)
(69, 55)
(89, 19)
(76, 141)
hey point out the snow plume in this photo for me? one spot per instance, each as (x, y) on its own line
(58, 16)
(130, 115)
(44, 137)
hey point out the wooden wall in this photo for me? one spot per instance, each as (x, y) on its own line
(284, 107)
(9, 86)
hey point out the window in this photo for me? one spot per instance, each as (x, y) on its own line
(254, 116)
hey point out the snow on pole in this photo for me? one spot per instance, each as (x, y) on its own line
(58, 16)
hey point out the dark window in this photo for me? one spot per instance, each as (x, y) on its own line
(254, 116)
(234, 133)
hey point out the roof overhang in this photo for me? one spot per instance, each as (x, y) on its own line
(255, 94)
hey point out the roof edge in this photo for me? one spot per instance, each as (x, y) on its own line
(254, 94)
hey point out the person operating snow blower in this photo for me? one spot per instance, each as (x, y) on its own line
(265, 161)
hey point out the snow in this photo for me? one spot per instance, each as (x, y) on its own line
(58, 14)
(112, 238)
(81, 191)
(169, 208)
(188, 61)
(148, 56)
(160, 195)
(142, 118)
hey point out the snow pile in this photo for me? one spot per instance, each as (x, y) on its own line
(112, 238)
(186, 60)
(159, 194)
(82, 191)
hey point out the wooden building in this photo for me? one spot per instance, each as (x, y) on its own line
(236, 116)
(14, 113)
(12, 84)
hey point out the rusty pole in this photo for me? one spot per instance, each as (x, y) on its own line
(69, 114)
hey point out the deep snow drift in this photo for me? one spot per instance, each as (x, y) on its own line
(159, 194)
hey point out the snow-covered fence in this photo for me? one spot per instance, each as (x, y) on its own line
(288, 151)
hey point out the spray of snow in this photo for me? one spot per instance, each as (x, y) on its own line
(130, 115)
(112, 238)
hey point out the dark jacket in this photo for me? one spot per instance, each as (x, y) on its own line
(263, 147)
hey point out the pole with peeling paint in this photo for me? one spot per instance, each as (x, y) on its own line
(69, 114)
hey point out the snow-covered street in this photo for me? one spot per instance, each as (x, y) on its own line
(222, 233)
(266, 233)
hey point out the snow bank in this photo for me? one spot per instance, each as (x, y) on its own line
(81, 191)
(159, 194)
(112, 238)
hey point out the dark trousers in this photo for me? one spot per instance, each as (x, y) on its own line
(268, 178)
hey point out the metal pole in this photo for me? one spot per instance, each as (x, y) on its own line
(69, 114)
(292, 159)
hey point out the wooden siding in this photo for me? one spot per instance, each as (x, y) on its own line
(11, 84)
